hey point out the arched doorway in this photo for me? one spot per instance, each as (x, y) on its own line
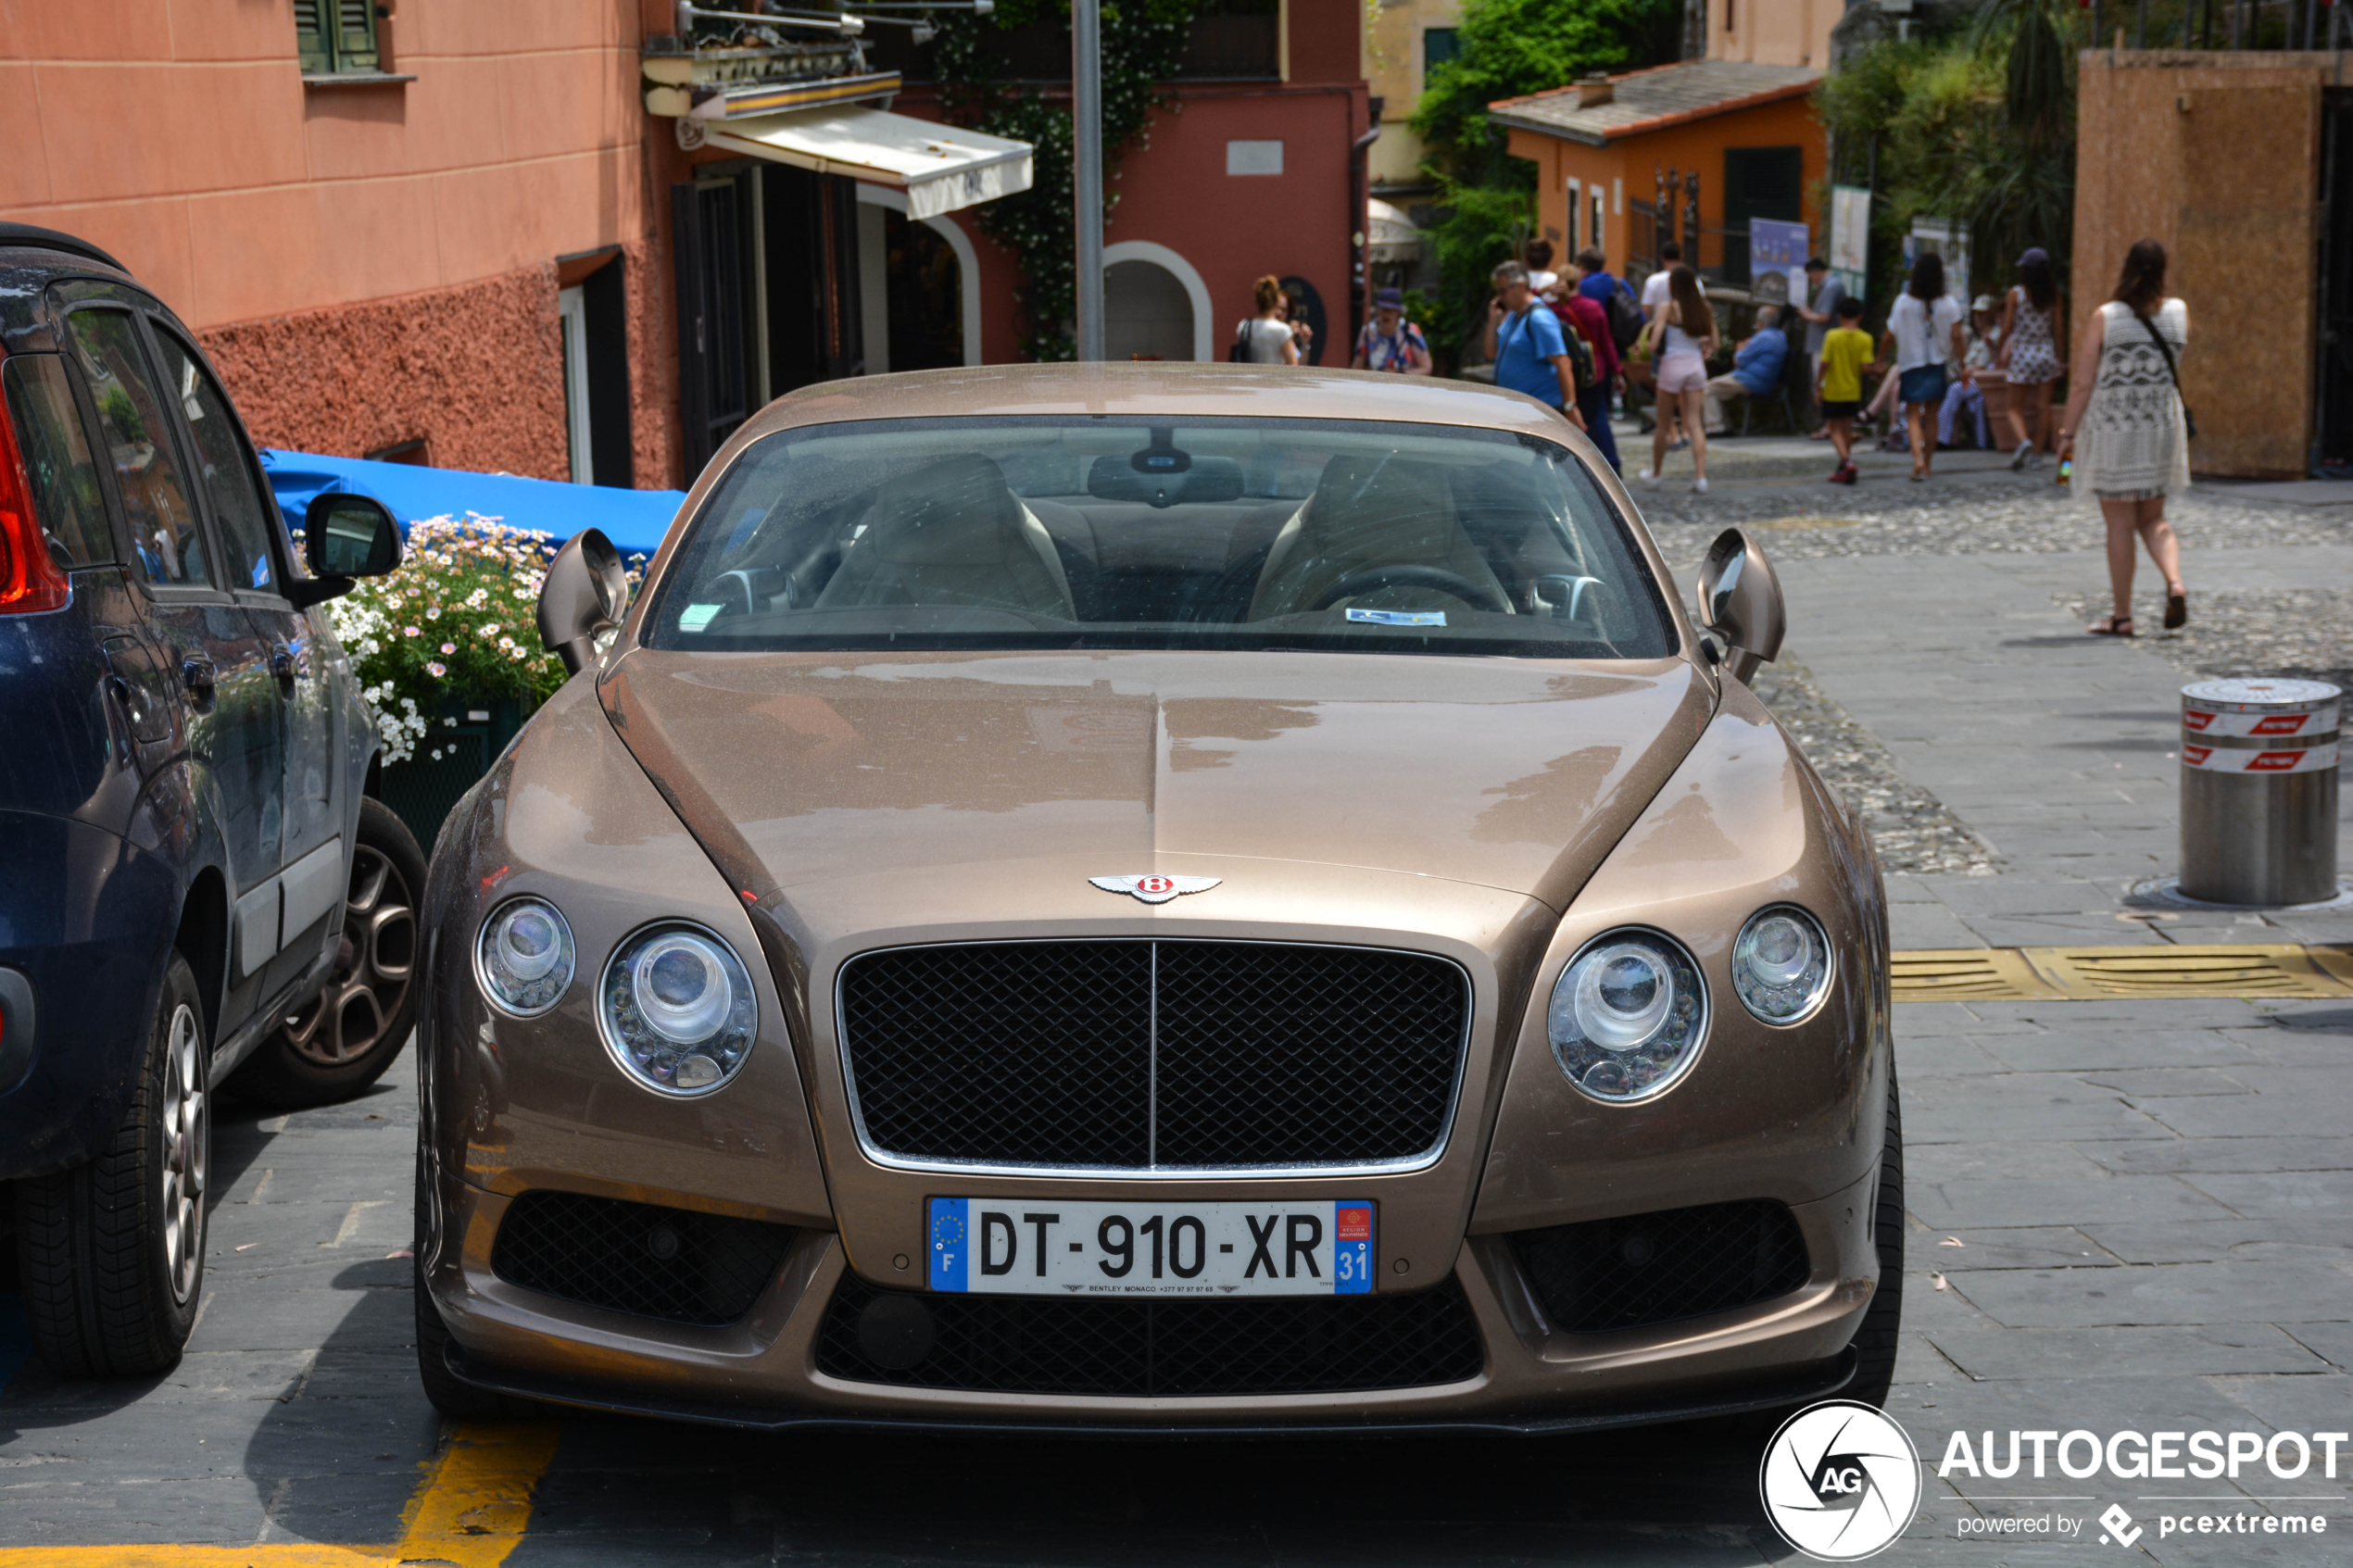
(1146, 313)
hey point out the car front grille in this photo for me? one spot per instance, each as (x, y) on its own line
(1143, 1055)
(1052, 1345)
(1645, 1268)
(657, 1263)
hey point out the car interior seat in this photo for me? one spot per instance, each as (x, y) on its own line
(1370, 514)
(951, 534)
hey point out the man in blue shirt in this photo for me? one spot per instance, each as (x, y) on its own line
(1524, 337)
(1756, 368)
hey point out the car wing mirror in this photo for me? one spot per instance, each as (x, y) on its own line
(585, 592)
(344, 536)
(1740, 601)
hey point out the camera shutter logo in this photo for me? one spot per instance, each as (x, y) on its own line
(1840, 1481)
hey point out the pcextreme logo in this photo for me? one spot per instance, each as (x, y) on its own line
(1840, 1481)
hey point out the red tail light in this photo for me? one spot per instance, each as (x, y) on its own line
(30, 581)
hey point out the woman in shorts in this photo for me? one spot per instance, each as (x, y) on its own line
(1924, 333)
(1681, 336)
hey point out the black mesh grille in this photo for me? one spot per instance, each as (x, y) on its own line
(1171, 1054)
(1047, 1344)
(1647, 1269)
(638, 1258)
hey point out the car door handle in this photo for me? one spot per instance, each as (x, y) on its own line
(282, 663)
(198, 673)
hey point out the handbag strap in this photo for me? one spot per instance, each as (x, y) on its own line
(2164, 348)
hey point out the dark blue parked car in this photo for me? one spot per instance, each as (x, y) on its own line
(193, 881)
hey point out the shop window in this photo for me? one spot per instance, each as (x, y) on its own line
(337, 37)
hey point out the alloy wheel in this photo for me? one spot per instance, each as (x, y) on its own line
(348, 1019)
(187, 1148)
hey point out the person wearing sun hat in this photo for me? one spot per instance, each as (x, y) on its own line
(1390, 342)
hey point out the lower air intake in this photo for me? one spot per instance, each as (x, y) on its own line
(1045, 1345)
(1645, 1268)
(669, 1263)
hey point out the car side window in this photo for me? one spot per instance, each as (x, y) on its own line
(137, 431)
(57, 460)
(237, 508)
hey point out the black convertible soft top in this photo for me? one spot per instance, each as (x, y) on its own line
(30, 235)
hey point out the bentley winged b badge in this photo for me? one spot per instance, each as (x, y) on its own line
(1155, 889)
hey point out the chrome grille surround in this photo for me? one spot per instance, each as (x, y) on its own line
(871, 1116)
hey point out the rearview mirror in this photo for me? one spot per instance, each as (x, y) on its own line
(1740, 600)
(585, 592)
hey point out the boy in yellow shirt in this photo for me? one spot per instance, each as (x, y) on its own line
(1846, 348)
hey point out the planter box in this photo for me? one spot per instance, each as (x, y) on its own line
(423, 789)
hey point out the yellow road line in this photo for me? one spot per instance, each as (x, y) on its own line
(2121, 974)
(472, 1512)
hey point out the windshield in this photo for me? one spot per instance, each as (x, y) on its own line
(1079, 532)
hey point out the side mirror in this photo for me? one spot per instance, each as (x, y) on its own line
(344, 536)
(585, 592)
(348, 535)
(1740, 600)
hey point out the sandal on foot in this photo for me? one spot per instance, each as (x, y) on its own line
(2114, 626)
(2177, 609)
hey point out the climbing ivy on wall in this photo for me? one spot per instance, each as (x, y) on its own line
(1143, 45)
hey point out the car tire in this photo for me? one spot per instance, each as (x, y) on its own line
(457, 1400)
(344, 1039)
(1875, 1342)
(110, 1253)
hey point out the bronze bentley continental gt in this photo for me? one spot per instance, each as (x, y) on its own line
(1157, 898)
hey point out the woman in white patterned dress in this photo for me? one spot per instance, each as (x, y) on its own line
(2033, 317)
(2125, 428)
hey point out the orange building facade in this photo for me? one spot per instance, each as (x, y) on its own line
(457, 240)
(1757, 153)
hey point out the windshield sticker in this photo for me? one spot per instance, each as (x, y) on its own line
(1400, 617)
(694, 618)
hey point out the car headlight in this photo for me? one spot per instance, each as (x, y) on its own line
(524, 957)
(1627, 1015)
(1782, 964)
(678, 1009)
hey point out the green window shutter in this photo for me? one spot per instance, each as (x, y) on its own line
(1439, 45)
(355, 34)
(310, 39)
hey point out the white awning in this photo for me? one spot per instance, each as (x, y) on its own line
(941, 168)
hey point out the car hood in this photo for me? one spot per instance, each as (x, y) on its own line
(799, 770)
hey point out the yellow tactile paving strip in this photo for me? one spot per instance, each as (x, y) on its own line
(471, 1512)
(1948, 975)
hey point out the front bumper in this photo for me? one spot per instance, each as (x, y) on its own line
(763, 1372)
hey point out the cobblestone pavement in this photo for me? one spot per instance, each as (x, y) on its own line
(2122, 1216)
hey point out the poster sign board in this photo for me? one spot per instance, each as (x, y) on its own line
(1850, 237)
(1776, 261)
(1947, 239)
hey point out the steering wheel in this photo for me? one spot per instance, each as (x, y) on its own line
(1436, 578)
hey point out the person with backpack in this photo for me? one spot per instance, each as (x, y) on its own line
(2128, 431)
(1587, 320)
(1390, 342)
(1526, 339)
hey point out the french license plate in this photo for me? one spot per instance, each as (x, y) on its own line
(1027, 1247)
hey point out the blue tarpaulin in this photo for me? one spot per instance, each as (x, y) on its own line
(634, 520)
